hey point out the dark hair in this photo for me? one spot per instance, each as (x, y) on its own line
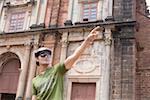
(37, 63)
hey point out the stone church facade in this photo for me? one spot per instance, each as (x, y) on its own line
(115, 68)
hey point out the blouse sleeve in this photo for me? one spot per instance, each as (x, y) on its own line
(61, 68)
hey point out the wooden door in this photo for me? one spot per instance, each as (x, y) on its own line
(83, 91)
(9, 77)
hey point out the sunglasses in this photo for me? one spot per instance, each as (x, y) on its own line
(44, 54)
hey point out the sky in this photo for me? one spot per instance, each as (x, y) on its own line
(148, 3)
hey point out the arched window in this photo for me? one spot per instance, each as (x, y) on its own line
(9, 72)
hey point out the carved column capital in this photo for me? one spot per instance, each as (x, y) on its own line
(27, 44)
(64, 40)
(64, 43)
(108, 34)
(108, 39)
(35, 44)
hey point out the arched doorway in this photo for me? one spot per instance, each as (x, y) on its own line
(9, 75)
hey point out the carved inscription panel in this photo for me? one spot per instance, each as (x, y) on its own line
(91, 61)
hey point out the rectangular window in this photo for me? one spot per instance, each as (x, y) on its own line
(17, 21)
(89, 11)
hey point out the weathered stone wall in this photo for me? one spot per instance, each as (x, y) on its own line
(123, 67)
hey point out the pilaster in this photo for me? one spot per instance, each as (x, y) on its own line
(23, 73)
(32, 72)
(42, 12)
(105, 80)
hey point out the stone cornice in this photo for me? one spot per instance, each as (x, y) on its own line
(19, 39)
(80, 26)
(18, 34)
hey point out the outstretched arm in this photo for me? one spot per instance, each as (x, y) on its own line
(90, 38)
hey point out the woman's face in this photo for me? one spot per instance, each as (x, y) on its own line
(44, 58)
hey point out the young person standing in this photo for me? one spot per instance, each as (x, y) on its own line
(48, 85)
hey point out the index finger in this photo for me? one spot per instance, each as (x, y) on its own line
(96, 29)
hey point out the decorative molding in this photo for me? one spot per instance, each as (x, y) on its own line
(84, 66)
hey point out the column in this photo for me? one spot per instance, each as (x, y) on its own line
(36, 12)
(75, 11)
(23, 73)
(110, 7)
(70, 10)
(100, 10)
(28, 18)
(1, 15)
(32, 72)
(42, 11)
(107, 8)
(63, 57)
(106, 69)
(1, 6)
(3, 19)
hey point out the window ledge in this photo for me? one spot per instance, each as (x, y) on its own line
(88, 22)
